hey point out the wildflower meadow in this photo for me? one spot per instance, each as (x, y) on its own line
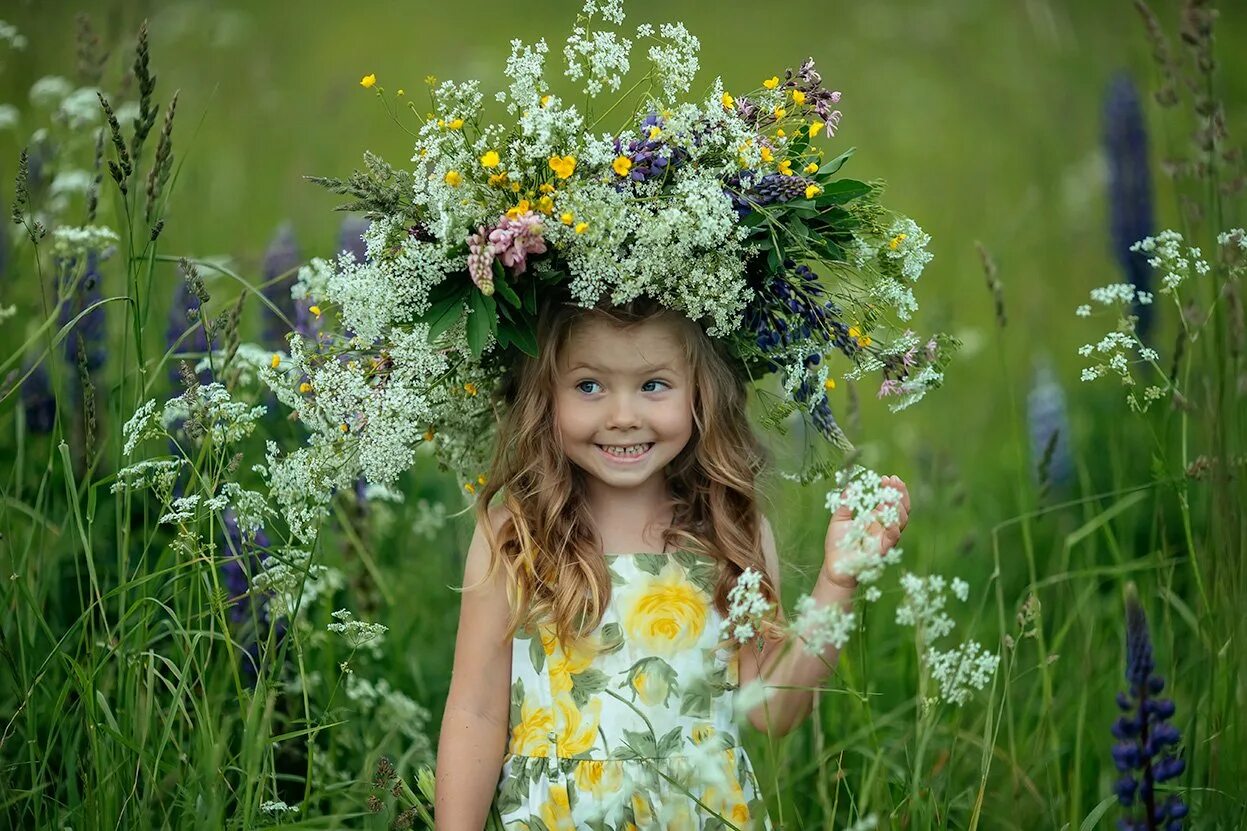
(242, 420)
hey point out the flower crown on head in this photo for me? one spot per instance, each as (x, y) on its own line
(724, 208)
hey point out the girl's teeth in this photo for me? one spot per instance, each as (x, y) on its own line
(634, 450)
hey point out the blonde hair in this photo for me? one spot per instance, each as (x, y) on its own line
(547, 544)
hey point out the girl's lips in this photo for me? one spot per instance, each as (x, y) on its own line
(625, 460)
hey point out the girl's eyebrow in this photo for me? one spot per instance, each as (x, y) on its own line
(661, 368)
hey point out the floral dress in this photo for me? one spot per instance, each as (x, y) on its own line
(639, 735)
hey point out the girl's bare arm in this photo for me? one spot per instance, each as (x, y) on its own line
(474, 725)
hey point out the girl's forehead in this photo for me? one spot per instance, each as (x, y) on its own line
(654, 343)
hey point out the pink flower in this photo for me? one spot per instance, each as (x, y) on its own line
(515, 238)
(481, 261)
(889, 387)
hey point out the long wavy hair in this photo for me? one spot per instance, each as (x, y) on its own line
(548, 543)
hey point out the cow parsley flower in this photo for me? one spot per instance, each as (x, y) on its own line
(599, 57)
(923, 606)
(356, 632)
(1168, 255)
(862, 491)
(819, 626)
(675, 58)
(49, 91)
(72, 242)
(746, 607)
(962, 670)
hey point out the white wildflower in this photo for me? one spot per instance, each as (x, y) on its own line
(601, 58)
(49, 91)
(923, 606)
(80, 108)
(862, 491)
(819, 626)
(10, 117)
(907, 243)
(1169, 257)
(962, 670)
(182, 510)
(746, 607)
(9, 34)
(278, 808)
(73, 242)
(142, 425)
(356, 632)
(675, 58)
(293, 581)
(157, 474)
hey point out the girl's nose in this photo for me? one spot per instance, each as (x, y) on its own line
(623, 413)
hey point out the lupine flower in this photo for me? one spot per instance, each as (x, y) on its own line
(1046, 417)
(1144, 736)
(1129, 186)
(517, 237)
(91, 327)
(38, 401)
(281, 257)
(481, 261)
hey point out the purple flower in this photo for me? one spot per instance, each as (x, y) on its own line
(1144, 737)
(517, 237)
(38, 402)
(1129, 186)
(281, 259)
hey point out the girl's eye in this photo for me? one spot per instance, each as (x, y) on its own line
(580, 386)
(655, 381)
(582, 383)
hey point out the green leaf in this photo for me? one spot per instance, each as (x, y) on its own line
(481, 322)
(442, 315)
(842, 190)
(835, 164)
(530, 297)
(503, 287)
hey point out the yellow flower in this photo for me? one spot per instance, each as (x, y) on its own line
(654, 132)
(622, 165)
(854, 332)
(344, 428)
(430, 79)
(521, 208)
(368, 81)
(515, 187)
(780, 112)
(798, 97)
(428, 434)
(546, 205)
(863, 341)
(305, 388)
(441, 122)
(772, 82)
(469, 388)
(829, 384)
(812, 190)
(652, 687)
(566, 218)
(490, 159)
(545, 99)
(701, 731)
(895, 242)
(497, 179)
(563, 166)
(780, 132)
(599, 777)
(546, 187)
(400, 91)
(577, 729)
(480, 480)
(664, 613)
(276, 361)
(314, 310)
(767, 155)
(642, 811)
(785, 167)
(812, 167)
(815, 127)
(566, 662)
(556, 813)
(529, 736)
(455, 124)
(453, 178)
(728, 101)
(581, 227)
(467, 486)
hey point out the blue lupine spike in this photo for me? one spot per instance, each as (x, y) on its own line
(1144, 733)
(1129, 186)
(281, 258)
(1046, 414)
(38, 402)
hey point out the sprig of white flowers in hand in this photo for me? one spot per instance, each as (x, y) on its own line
(869, 514)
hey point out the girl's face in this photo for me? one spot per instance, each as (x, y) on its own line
(620, 388)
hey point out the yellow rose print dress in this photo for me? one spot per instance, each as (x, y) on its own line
(640, 734)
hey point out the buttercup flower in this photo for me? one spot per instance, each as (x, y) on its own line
(368, 81)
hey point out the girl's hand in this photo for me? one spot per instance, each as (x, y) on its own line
(839, 524)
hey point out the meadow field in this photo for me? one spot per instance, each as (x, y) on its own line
(157, 669)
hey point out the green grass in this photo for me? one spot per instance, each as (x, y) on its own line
(122, 699)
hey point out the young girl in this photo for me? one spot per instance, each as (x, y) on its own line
(589, 664)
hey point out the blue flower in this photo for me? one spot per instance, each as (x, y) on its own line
(1143, 753)
(281, 258)
(1129, 186)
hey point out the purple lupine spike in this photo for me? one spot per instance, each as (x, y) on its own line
(38, 402)
(1144, 737)
(243, 560)
(91, 328)
(351, 236)
(1129, 187)
(1046, 415)
(281, 258)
